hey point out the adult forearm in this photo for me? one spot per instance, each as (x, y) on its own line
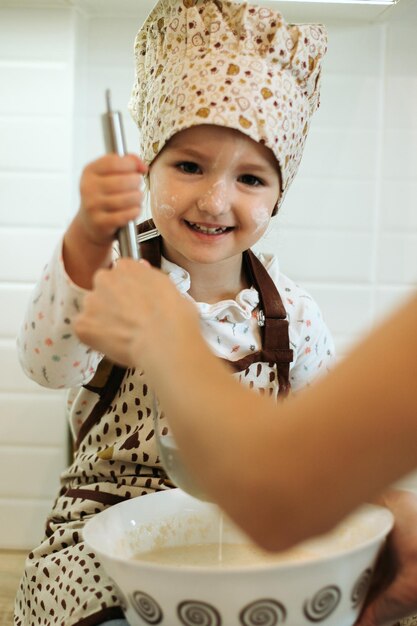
(285, 473)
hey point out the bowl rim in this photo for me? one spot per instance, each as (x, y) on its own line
(287, 564)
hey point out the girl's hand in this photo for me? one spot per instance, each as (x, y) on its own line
(110, 196)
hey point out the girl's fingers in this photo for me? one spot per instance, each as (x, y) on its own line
(120, 183)
(113, 164)
(120, 201)
(110, 195)
(111, 222)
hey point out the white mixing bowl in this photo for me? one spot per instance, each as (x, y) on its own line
(328, 588)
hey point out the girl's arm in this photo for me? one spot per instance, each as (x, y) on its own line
(49, 351)
(316, 456)
(312, 342)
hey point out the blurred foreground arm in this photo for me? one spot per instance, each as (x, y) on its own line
(282, 473)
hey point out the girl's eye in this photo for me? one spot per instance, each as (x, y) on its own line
(188, 167)
(251, 180)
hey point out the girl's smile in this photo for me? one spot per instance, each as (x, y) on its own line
(209, 230)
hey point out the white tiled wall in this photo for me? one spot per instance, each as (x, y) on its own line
(347, 232)
(36, 130)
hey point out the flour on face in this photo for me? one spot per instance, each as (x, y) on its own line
(261, 216)
(164, 204)
(214, 200)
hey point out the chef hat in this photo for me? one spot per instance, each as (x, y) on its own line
(231, 64)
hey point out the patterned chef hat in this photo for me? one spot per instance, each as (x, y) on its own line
(227, 63)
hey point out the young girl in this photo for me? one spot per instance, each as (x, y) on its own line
(223, 101)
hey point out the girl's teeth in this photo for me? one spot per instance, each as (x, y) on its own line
(208, 231)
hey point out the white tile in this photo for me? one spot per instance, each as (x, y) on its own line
(44, 466)
(397, 259)
(132, 134)
(402, 49)
(354, 49)
(119, 81)
(340, 154)
(133, 9)
(35, 199)
(36, 144)
(34, 419)
(80, 32)
(345, 343)
(404, 13)
(35, 34)
(346, 310)
(27, 251)
(89, 141)
(328, 204)
(22, 522)
(401, 102)
(81, 150)
(314, 256)
(13, 301)
(389, 299)
(349, 101)
(36, 89)
(14, 379)
(111, 41)
(400, 155)
(399, 206)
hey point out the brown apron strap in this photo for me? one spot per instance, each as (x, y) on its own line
(269, 298)
(108, 377)
(274, 331)
(106, 391)
(151, 249)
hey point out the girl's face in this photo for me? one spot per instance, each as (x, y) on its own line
(213, 190)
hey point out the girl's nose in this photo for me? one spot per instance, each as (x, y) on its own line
(215, 200)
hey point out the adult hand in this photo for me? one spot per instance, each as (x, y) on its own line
(394, 594)
(134, 314)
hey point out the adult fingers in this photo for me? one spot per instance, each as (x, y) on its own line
(389, 606)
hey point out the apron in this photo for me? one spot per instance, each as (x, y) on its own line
(115, 459)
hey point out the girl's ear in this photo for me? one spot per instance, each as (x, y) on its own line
(147, 199)
(276, 207)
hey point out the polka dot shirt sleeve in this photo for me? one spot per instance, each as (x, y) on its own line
(49, 351)
(312, 343)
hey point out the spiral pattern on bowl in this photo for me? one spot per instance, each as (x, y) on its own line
(146, 607)
(265, 612)
(360, 588)
(322, 604)
(195, 613)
